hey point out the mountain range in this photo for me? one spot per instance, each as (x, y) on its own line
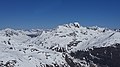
(67, 45)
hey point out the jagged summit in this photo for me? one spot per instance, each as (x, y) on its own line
(76, 24)
(70, 25)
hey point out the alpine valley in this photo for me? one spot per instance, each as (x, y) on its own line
(68, 45)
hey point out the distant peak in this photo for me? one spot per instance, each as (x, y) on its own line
(9, 29)
(76, 24)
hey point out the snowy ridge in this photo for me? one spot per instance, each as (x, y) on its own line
(41, 48)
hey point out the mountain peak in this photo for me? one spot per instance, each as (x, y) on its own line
(9, 29)
(70, 25)
(75, 24)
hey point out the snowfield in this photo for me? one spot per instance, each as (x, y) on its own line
(52, 48)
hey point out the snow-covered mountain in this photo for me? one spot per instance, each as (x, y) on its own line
(68, 45)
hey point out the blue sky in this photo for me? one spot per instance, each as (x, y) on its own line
(27, 14)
